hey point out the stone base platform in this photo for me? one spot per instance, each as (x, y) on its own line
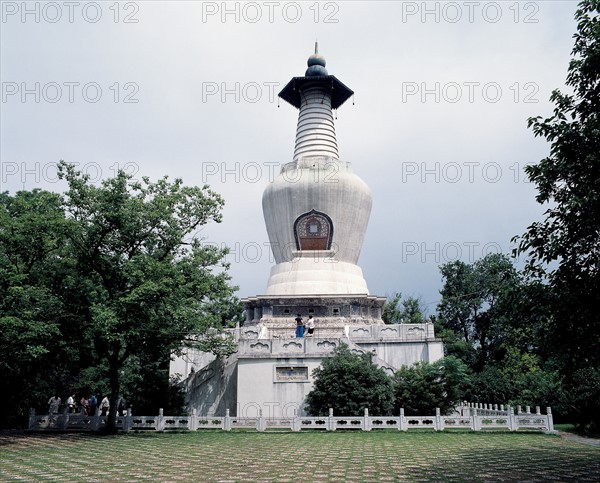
(331, 313)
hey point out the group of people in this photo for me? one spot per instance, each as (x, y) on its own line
(301, 326)
(88, 405)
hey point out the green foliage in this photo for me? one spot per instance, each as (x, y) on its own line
(564, 247)
(101, 286)
(472, 307)
(349, 383)
(584, 396)
(409, 310)
(32, 309)
(422, 388)
(391, 313)
(145, 288)
(498, 324)
(518, 386)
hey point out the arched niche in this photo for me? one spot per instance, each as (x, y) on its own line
(313, 231)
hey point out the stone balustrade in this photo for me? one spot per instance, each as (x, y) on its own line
(474, 422)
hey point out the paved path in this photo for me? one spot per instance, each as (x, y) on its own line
(579, 439)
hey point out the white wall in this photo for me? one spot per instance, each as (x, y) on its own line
(257, 388)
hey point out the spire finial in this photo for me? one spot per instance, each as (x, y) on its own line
(316, 63)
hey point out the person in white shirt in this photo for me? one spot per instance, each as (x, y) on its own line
(71, 403)
(105, 406)
(310, 325)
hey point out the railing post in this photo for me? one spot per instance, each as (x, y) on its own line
(513, 424)
(296, 423)
(550, 419)
(63, 422)
(160, 420)
(330, 421)
(127, 420)
(402, 421)
(227, 421)
(31, 418)
(474, 420)
(261, 424)
(439, 423)
(366, 422)
(193, 421)
(537, 411)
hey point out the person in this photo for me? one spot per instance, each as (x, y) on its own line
(105, 406)
(122, 406)
(310, 325)
(93, 405)
(84, 406)
(53, 404)
(299, 326)
(71, 403)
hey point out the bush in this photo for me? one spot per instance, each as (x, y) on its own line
(422, 388)
(349, 383)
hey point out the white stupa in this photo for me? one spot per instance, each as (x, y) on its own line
(317, 210)
(316, 213)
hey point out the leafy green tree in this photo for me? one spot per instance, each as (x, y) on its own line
(349, 383)
(564, 248)
(519, 380)
(392, 313)
(497, 322)
(473, 300)
(144, 289)
(409, 310)
(423, 387)
(100, 287)
(33, 260)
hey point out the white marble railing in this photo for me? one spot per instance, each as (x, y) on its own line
(474, 422)
(403, 332)
(303, 345)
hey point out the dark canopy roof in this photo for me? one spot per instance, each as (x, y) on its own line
(339, 91)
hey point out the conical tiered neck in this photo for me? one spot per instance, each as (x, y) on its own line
(315, 133)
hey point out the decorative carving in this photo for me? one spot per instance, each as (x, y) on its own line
(326, 345)
(389, 329)
(251, 334)
(296, 373)
(260, 347)
(293, 347)
(360, 331)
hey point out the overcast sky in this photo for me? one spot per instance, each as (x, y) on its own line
(438, 128)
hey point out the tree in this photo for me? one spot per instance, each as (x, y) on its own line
(423, 387)
(349, 383)
(564, 248)
(496, 321)
(144, 289)
(100, 287)
(409, 310)
(473, 300)
(32, 250)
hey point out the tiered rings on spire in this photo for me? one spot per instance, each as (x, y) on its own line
(315, 134)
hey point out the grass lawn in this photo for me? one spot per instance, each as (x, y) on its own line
(359, 456)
